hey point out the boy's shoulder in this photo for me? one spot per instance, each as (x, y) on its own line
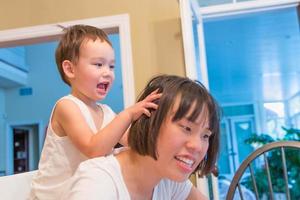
(67, 97)
(69, 103)
(65, 100)
(106, 108)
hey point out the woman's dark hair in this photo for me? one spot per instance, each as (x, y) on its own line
(143, 132)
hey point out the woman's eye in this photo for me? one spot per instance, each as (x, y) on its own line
(186, 128)
(206, 136)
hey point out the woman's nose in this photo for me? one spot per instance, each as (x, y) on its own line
(195, 144)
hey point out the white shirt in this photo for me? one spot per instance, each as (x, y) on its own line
(60, 158)
(101, 179)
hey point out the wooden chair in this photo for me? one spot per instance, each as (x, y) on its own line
(249, 165)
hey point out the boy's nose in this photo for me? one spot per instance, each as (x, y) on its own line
(106, 71)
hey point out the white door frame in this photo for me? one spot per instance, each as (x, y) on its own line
(48, 32)
(188, 38)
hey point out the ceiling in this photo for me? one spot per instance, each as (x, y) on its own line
(254, 57)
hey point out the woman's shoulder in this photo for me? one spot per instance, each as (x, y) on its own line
(93, 178)
(104, 169)
(106, 163)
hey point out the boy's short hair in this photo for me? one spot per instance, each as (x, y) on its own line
(71, 41)
(143, 132)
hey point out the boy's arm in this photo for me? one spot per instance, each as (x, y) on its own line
(68, 118)
(124, 140)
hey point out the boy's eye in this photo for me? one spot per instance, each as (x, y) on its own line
(99, 64)
(111, 66)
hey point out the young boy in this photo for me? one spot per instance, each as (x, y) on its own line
(79, 127)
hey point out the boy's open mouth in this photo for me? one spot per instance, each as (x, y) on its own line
(103, 86)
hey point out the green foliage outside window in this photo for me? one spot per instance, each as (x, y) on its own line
(275, 166)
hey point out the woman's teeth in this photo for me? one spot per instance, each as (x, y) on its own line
(185, 160)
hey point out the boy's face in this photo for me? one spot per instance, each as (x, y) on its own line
(94, 71)
(182, 144)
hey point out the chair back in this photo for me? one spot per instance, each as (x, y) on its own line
(280, 172)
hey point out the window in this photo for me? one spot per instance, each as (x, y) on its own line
(275, 118)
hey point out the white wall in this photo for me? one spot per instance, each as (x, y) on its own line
(45, 83)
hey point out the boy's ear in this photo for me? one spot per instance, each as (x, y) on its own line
(68, 68)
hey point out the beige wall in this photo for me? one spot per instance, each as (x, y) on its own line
(155, 27)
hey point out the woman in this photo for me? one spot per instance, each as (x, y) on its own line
(181, 136)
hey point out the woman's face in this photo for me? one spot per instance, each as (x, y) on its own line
(182, 144)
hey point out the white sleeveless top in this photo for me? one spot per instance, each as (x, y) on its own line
(60, 158)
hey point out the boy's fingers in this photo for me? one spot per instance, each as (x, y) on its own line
(152, 105)
(147, 112)
(155, 91)
(153, 97)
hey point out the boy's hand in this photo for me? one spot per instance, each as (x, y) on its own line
(144, 107)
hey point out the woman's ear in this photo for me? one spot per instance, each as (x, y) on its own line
(68, 69)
